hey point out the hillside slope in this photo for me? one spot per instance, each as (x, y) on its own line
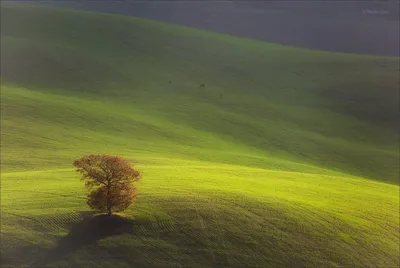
(285, 157)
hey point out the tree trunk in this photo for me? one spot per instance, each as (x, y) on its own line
(108, 200)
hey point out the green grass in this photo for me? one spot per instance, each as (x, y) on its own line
(287, 158)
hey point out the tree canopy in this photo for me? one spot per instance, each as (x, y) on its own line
(110, 181)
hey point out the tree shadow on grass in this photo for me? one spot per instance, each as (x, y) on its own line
(88, 232)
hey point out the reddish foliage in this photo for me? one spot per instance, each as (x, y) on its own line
(110, 181)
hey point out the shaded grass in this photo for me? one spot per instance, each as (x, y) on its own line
(90, 230)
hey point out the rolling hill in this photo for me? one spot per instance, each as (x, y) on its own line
(286, 157)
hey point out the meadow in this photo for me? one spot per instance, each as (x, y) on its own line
(287, 157)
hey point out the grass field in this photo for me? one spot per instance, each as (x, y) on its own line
(286, 158)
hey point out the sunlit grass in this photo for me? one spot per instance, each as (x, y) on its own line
(250, 203)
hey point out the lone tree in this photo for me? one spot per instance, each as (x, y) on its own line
(110, 181)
